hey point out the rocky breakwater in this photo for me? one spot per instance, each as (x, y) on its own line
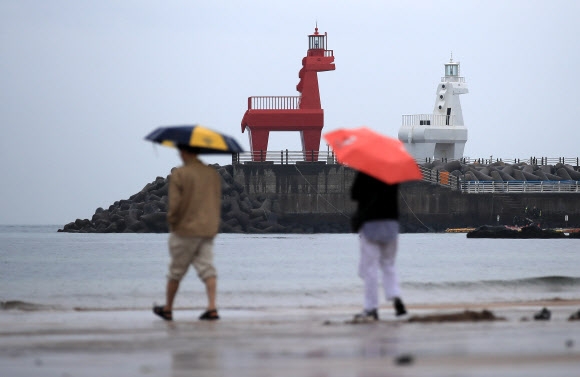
(504, 172)
(146, 212)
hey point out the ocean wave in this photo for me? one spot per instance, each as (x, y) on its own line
(553, 280)
(541, 282)
(24, 306)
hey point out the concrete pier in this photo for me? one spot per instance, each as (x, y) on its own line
(309, 190)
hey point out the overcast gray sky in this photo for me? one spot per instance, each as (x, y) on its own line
(82, 82)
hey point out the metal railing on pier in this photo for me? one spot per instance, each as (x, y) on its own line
(540, 161)
(485, 187)
(442, 178)
(291, 157)
(284, 157)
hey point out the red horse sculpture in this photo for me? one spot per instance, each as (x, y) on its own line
(292, 113)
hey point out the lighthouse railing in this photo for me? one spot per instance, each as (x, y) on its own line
(327, 53)
(428, 120)
(460, 79)
(284, 157)
(273, 103)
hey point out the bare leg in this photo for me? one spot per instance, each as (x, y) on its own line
(211, 288)
(170, 292)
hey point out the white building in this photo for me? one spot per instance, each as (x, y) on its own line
(441, 135)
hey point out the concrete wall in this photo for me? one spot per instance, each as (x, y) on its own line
(300, 188)
(440, 208)
(314, 189)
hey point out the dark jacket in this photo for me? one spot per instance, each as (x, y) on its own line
(376, 200)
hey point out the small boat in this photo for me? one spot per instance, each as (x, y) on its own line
(525, 232)
(458, 230)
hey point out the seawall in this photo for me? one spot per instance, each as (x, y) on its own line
(309, 190)
(315, 198)
(302, 188)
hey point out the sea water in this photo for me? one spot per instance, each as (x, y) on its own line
(41, 269)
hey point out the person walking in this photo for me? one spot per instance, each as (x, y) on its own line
(193, 217)
(376, 221)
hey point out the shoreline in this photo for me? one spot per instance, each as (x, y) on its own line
(292, 342)
(16, 306)
(557, 302)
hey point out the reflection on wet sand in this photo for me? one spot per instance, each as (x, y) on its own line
(301, 342)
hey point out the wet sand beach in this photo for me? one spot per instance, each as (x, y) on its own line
(292, 342)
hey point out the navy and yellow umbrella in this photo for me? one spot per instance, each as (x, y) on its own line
(202, 139)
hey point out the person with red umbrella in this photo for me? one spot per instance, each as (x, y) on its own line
(376, 221)
(381, 163)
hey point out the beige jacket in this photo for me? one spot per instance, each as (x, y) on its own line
(194, 200)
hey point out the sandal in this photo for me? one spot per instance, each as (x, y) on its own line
(210, 315)
(161, 312)
(366, 316)
(399, 307)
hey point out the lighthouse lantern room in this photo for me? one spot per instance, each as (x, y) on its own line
(317, 41)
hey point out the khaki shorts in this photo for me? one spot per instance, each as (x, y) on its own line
(186, 251)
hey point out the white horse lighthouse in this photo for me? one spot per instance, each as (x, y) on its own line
(441, 135)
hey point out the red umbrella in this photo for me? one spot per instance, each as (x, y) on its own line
(377, 155)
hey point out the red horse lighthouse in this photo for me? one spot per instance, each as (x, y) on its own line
(292, 113)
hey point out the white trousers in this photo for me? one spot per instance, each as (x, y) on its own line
(375, 257)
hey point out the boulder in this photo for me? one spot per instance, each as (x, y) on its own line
(563, 173)
(530, 176)
(452, 165)
(528, 169)
(481, 176)
(519, 175)
(541, 175)
(496, 176)
(505, 176)
(509, 170)
(156, 222)
(469, 176)
(553, 177)
(575, 175)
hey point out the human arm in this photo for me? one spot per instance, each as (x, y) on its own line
(175, 195)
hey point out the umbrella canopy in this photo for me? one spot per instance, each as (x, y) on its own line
(196, 136)
(377, 155)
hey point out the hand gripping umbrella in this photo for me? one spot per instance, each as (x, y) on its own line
(377, 155)
(203, 139)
